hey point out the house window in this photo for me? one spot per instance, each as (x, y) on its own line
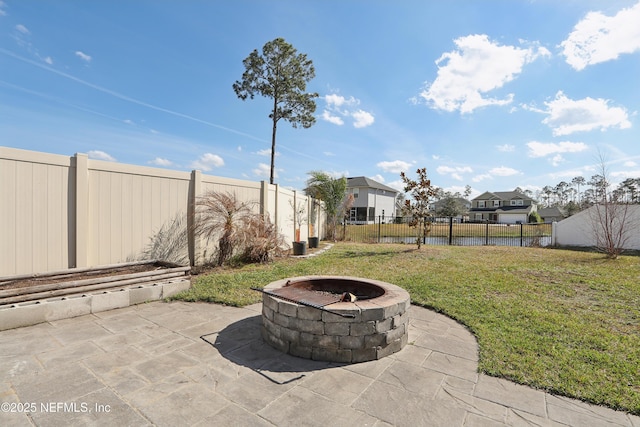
(519, 202)
(481, 203)
(372, 214)
(355, 192)
(496, 203)
(513, 203)
(478, 217)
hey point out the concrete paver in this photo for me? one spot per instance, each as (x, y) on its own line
(203, 364)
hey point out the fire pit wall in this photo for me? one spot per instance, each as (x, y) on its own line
(379, 328)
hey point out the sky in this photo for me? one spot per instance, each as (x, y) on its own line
(493, 94)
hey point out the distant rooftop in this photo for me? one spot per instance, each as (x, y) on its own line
(363, 181)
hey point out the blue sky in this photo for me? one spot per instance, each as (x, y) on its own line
(493, 94)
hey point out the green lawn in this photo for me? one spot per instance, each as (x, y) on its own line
(564, 321)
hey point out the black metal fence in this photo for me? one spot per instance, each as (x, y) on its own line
(446, 231)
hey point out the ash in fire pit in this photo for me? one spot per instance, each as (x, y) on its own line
(339, 319)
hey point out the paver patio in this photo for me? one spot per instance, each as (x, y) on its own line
(179, 363)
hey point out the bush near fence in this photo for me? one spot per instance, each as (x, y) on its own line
(448, 231)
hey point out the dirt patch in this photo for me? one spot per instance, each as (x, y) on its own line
(71, 277)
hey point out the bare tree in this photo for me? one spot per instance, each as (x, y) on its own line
(611, 220)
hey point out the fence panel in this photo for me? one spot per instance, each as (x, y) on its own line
(448, 231)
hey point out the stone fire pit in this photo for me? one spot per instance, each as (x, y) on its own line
(300, 317)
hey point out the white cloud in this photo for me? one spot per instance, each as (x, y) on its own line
(100, 155)
(630, 164)
(328, 153)
(339, 108)
(207, 161)
(362, 119)
(264, 170)
(481, 177)
(543, 149)
(48, 60)
(3, 5)
(83, 56)
(395, 166)
(506, 148)
(504, 171)
(266, 152)
(566, 116)
(477, 67)
(159, 161)
(128, 121)
(378, 178)
(336, 100)
(22, 29)
(556, 160)
(398, 185)
(454, 172)
(598, 38)
(327, 116)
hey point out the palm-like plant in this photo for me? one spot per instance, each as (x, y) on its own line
(222, 214)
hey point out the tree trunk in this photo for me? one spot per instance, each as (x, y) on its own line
(273, 138)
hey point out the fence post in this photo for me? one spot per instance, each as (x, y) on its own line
(486, 234)
(521, 239)
(379, 227)
(81, 192)
(450, 230)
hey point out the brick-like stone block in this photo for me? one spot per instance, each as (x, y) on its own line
(269, 301)
(309, 313)
(331, 355)
(104, 301)
(384, 325)
(370, 311)
(275, 342)
(288, 308)
(267, 312)
(298, 350)
(271, 327)
(400, 319)
(372, 341)
(313, 340)
(289, 335)
(352, 342)
(390, 348)
(64, 308)
(363, 355)
(311, 326)
(283, 320)
(142, 294)
(172, 288)
(359, 329)
(20, 315)
(336, 329)
(395, 334)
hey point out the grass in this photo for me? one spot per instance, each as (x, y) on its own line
(567, 322)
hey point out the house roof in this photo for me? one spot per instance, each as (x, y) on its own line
(553, 211)
(502, 195)
(363, 181)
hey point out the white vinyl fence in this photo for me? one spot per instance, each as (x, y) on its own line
(59, 212)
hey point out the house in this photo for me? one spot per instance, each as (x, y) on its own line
(443, 207)
(370, 200)
(508, 207)
(552, 214)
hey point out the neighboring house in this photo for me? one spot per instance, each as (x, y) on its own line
(438, 207)
(552, 214)
(508, 207)
(370, 200)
